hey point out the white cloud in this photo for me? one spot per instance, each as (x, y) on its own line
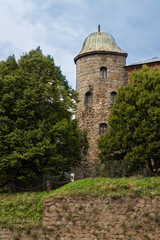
(59, 27)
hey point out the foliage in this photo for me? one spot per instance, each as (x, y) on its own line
(62, 77)
(133, 140)
(25, 210)
(21, 209)
(112, 188)
(37, 131)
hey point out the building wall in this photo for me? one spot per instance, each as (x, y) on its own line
(91, 115)
(138, 67)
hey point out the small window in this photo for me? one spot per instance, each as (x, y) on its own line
(113, 96)
(103, 72)
(102, 128)
(88, 98)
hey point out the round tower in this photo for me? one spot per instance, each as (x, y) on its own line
(100, 71)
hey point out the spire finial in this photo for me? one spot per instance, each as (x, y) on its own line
(99, 28)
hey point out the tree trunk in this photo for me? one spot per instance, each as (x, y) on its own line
(150, 167)
(48, 185)
(10, 187)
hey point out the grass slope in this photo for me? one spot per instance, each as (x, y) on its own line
(25, 210)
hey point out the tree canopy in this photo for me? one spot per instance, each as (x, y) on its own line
(37, 131)
(133, 140)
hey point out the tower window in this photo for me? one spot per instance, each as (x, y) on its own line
(103, 72)
(113, 96)
(88, 98)
(102, 128)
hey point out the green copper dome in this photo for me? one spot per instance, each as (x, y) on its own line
(99, 42)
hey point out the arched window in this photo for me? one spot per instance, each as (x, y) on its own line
(103, 72)
(88, 98)
(102, 128)
(113, 96)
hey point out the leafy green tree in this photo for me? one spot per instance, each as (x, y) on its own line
(62, 77)
(133, 140)
(37, 131)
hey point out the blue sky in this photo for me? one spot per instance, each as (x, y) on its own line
(60, 27)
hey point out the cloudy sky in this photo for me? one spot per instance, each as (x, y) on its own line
(59, 27)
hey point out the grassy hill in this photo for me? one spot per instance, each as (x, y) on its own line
(25, 210)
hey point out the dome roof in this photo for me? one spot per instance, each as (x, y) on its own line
(99, 42)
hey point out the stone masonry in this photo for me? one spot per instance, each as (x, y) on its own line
(91, 115)
(83, 218)
(100, 219)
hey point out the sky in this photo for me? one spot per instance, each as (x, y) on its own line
(60, 27)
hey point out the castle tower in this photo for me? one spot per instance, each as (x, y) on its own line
(100, 71)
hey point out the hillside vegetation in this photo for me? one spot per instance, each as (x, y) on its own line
(25, 210)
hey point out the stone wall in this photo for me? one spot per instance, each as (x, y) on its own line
(10, 234)
(91, 115)
(95, 219)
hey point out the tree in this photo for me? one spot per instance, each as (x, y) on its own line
(37, 131)
(133, 140)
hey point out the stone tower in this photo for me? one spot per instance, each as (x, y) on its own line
(100, 71)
